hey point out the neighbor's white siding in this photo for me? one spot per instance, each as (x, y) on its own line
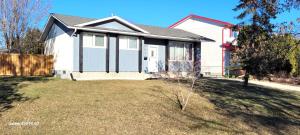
(60, 44)
(211, 52)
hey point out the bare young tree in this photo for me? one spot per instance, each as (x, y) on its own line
(191, 77)
(16, 16)
(183, 77)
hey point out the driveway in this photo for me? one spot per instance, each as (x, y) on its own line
(286, 87)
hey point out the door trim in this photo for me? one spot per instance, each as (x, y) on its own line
(149, 55)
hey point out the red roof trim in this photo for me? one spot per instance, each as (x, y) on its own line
(202, 18)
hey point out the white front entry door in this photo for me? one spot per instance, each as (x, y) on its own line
(153, 59)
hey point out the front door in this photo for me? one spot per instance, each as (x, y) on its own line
(153, 59)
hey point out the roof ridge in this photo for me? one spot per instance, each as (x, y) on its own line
(211, 19)
(105, 17)
(72, 15)
(202, 18)
(152, 26)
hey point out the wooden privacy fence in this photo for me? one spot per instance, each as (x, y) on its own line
(25, 65)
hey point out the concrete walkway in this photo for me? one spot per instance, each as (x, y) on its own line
(280, 86)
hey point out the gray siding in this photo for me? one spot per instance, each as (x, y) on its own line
(128, 60)
(113, 25)
(93, 59)
(112, 54)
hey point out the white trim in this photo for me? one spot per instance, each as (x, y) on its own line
(110, 18)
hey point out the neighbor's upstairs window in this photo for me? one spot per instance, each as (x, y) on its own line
(180, 51)
(94, 40)
(129, 43)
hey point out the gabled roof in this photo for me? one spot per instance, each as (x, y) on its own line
(112, 18)
(192, 16)
(71, 20)
(82, 23)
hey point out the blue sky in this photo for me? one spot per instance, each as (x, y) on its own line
(154, 12)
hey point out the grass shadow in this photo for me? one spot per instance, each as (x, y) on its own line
(9, 90)
(189, 119)
(257, 106)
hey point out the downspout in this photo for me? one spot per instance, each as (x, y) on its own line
(222, 50)
(74, 32)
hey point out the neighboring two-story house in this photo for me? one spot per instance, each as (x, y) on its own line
(215, 56)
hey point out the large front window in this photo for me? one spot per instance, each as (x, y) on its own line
(180, 51)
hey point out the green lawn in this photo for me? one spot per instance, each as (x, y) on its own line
(144, 107)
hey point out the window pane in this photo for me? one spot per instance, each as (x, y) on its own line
(172, 52)
(133, 43)
(99, 40)
(179, 52)
(87, 40)
(123, 43)
(188, 51)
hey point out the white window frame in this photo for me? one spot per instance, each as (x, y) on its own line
(127, 46)
(185, 49)
(94, 40)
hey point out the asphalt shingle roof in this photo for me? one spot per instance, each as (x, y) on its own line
(74, 20)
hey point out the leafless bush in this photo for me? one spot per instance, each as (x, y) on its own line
(183, 81)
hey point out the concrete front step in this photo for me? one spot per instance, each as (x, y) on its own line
(110, 76)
